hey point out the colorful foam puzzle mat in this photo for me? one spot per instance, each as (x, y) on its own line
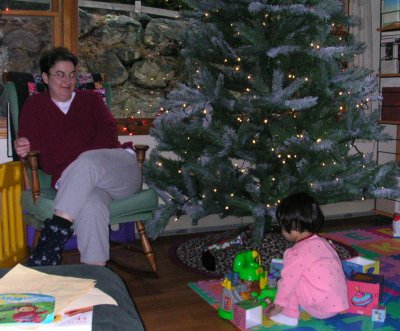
(375, 243)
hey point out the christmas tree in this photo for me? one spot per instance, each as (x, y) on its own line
(271, 106)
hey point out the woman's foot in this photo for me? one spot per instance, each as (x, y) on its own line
(51, 243)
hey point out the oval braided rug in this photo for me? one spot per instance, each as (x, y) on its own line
(188, 253)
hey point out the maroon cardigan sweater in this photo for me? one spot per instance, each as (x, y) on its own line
(60, 137)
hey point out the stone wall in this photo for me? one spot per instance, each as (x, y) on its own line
(139, 55)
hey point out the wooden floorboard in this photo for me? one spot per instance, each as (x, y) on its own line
(166, 302)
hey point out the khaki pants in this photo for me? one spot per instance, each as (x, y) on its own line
(86, 188)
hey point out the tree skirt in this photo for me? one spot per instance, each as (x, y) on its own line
(188, 253)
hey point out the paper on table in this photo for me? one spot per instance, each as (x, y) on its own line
(21, 279)
(93, 297)
(79, 322)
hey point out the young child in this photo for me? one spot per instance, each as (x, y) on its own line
(312, 277)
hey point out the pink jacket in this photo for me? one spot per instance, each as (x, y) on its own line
(313, 272)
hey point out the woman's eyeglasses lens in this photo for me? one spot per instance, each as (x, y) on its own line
(59, 75)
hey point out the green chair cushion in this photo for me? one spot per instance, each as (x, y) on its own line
(138, 207)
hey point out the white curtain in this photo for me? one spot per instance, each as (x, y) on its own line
(364, 31)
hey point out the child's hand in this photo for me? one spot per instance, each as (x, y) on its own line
(272, 310)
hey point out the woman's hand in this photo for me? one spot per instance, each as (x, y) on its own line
(22, 146)
(272, 310)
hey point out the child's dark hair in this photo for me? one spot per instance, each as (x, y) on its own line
(52, 56)
(300, 212)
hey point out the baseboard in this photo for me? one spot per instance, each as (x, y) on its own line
(201, 229)
(349, 215)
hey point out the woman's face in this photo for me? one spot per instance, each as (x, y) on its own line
(61, 80)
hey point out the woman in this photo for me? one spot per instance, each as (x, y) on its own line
(78, 143)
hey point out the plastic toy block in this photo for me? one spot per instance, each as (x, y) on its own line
(364, 292)
(247, 314)
(379, 314)
(361, 265)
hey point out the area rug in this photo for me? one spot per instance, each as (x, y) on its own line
(374, 243)
(188, 253)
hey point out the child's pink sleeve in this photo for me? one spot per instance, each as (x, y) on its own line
(293, 266)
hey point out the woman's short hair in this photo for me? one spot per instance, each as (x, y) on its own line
(51, 56)
(300, 212)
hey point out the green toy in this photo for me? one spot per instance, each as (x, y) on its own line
(246, 269)
(230, 296)
(248, 265)
(266, 296)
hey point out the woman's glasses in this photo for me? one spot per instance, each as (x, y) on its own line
(61, 76)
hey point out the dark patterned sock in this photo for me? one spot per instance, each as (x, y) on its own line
(61, 222)
(55, 233)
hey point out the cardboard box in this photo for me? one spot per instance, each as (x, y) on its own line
(361, 265)
(364, 292)
(390, 12)
(247, 314)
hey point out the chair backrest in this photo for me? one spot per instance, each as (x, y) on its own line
(20, 85)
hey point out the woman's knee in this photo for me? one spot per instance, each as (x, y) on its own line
(89, 157)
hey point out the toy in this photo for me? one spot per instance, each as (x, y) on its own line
(248, 265)
(272, 281)
(266, 297)
(239, 284)
(379, 314)
(230, 296)
(396, 225)
(275, 268)
(360, 264)
(247, 314)
(364, 292)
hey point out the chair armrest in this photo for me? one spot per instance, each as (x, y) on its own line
(140, 151)
(33, 162)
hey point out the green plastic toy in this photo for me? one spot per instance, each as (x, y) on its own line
(248, 265)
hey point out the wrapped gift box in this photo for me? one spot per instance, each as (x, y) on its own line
(364, 292)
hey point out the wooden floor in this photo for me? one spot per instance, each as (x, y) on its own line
(166, 302)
